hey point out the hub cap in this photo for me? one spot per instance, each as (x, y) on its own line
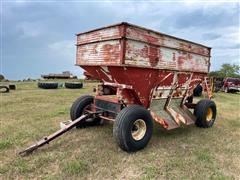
(139, 129)
(209, 114)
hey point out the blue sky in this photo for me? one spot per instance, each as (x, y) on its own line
(38, 37)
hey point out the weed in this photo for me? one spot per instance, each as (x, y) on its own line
(5, 143)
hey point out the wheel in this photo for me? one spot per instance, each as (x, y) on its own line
(12, 86)
(73, 85)
(78, 108)
(133, 128)
(189, 99)
(197, 91)
(4, 89)
(205, 112)
(48, 85)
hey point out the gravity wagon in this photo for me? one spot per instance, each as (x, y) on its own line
(145, 76)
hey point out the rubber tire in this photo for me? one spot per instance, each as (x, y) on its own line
(189, 99)
(48, 85)
(123, 125)
(12, 86)
(77, 110)
(200, 112)
(73, 85)
(6, 89)
(197, 91)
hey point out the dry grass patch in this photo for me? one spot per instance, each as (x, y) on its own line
(29, 114)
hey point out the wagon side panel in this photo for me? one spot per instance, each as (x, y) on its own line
(101, 47)
(99, 53)
(149, 49)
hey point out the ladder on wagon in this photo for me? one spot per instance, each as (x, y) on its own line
(208, 86)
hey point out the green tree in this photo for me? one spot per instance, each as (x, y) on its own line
(227, 70)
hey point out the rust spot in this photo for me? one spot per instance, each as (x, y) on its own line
(177, 93)
(181, 60)
(95, 49)
(150, 39)
(144, 52)
(183, 46)
(206, 61)
(200, 50)
(153, 56)
(159, 120)
(189, 55)
(110, 52)
(174, 57)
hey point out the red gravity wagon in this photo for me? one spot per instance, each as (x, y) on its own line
(145, 76)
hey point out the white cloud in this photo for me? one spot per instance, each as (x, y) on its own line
(50, 26)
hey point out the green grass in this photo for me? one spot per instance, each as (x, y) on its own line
(76, 167)
(29, 113)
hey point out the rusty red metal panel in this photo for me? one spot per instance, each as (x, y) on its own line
(105, 52)
(158, 39)
(145, 55)
(102, 46)
(142, 81)
(104, 34)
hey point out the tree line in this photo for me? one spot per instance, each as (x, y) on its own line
(226, 70)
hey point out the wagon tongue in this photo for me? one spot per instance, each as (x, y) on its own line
(28, 150)
(53, 136)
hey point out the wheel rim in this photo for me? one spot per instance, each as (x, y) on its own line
(84, 111)
(209, 114)
(139, 129)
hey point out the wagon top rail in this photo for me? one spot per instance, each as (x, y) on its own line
(130, 45)
(141, 27)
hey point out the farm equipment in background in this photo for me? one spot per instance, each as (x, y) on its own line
(63, 75)
(217, 84)
(145, 75)
(4, 89)
(7, 88)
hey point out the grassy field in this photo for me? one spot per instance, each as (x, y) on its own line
(29, 113)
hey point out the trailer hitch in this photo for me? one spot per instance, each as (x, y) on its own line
(56, 134)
